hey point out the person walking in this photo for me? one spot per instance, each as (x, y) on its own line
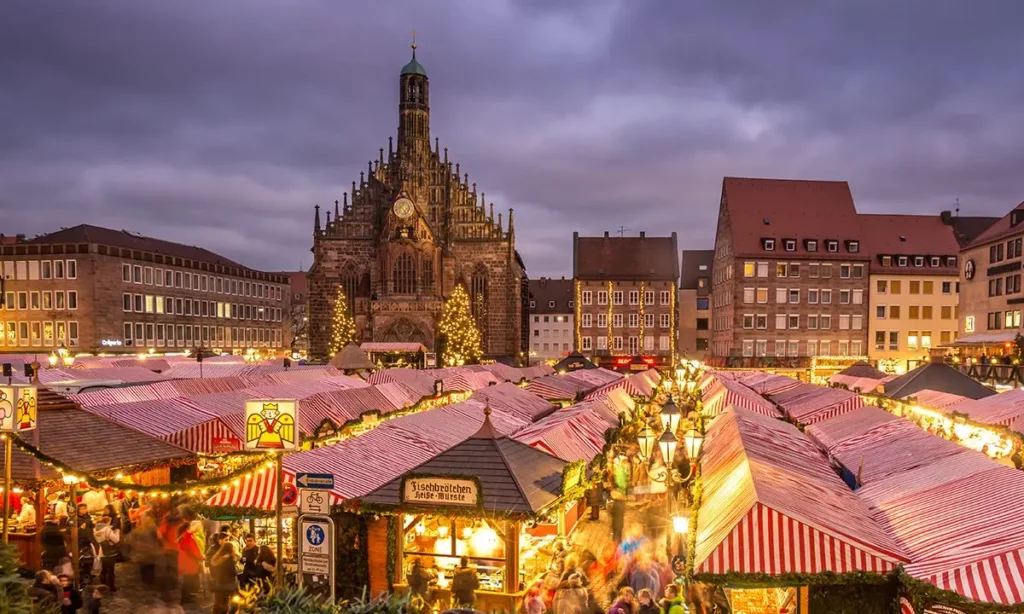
(258, 562)
(595, 498)
(190, 564)
(625, 603)
(71, 597)
(617, 509)
(464, 585)
(108, 538)
(144, 548)
(223, 579)
(571, 597)
(54, 548)
(166, 568)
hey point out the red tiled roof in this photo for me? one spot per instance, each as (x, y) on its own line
(298, 281)
(545, 290)
(998, 230)
(625, 258)
(910, 235)
(794, 209)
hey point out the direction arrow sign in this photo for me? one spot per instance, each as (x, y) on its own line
(312, 501)
(322, 481)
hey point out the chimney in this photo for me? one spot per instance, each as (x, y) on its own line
(643, 235)
(606, 234)
(946, 217)
(1016, 217)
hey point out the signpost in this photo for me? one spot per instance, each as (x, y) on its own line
(321, 481)
(314, 502)
(440, 491)
(271, 425)
(316, 553)
(290, 494)
(18, 411)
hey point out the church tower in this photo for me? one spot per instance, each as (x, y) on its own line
(414, 114)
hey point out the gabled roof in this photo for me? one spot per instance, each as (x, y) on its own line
(790, 209)
(625, 258)
(693, 260)
(862, 369)
(544, 290)
(967, 229)
(86, 233)
(999, 229)
(938, 377)
(574, 362)
(909, 235)
(513, 476)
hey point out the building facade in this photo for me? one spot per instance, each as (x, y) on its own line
(551, 319)
(626, 295)
(298, 283)
(92, 289)
(790, 275)
(695, 303)
(914, 288)
(991, 301)
(414, 229)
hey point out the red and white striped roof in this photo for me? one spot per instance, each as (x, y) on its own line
(174, 420)
(807, 403)
(935, 399)
(643, 384)
(726, 393)
(998, 409)
(573, 433)
(515, 401)
(768, 383)
(772, 504)
(566, 386)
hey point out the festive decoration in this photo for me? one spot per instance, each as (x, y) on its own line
(578, 305)
(673, 321)
(343, 328)
(458, 330)
(611, 293)
(643, 291)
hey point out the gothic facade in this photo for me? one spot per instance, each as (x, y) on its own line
(413, 229)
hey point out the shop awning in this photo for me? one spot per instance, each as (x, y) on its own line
(998, 409)
(643, 384)
(808, 403)
(980, 339)
(773, 505)
(728, 393)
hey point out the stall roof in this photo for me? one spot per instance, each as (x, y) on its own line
(939, 377)
(85, 442)
(566, 386)
(513, 476)
(643, 384)
(998, 409)
(725, 393)
(861, 369)
(352, 358)
(768, 383)
(573, 433)
(515, 401)
(809, 403)
(392, 346)
(772, 504)
(574, 362)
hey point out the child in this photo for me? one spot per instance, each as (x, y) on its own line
(93, 598)
(64, 567)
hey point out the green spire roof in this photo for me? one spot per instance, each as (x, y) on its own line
(414, 67)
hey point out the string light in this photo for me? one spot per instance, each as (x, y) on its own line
(459, 331)
(343, 329)
(643, 291)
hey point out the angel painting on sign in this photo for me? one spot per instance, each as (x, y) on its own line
(26, 410)
(270, 429)
(6, 410)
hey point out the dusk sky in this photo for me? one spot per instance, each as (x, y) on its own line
(221, 123)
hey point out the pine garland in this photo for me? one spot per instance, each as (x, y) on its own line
(343, 328)
(459, 331)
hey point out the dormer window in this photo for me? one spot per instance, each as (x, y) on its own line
(918, 260)
(853, 246)
(832, 246)
(533, 304)
(769, 244)
(551, 304)
(936, 261)
(571, 304)
(812, 245)
(789, 245)
(950, 260)
(901, 261)
(886, 260)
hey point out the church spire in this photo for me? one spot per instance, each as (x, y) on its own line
(413, 109)
(316, 219)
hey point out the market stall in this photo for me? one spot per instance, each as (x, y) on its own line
(567, 387)
(808, 403)
(725, 393)
(389, 354)
(494, 500)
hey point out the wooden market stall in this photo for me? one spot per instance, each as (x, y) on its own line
(492, 499)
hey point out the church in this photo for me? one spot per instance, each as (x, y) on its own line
(411, 230)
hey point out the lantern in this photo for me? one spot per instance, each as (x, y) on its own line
(52, 359)
(693, 440)
(681, 524)
(670, 415)
(646, 440)
(668, 442)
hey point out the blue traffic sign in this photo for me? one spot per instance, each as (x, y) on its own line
(322, 481)
(315, 535)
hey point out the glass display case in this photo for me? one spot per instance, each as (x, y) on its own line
(438, 543)
(265, 530)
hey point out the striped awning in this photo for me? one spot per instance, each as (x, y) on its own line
(808, 403)
(727, 393)
(998, 409)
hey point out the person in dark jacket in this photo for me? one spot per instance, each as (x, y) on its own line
(71, 600)
(625, 604)
(617, 509)
(595, 499)
(464, 585)
(645, 603)
(54, 548)
(419, 581)
(257, 562)
(44, 590)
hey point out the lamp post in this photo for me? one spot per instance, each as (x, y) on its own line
(52, 359)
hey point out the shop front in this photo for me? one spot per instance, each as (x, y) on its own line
(504, 506)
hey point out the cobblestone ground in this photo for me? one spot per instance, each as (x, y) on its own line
(132, 597)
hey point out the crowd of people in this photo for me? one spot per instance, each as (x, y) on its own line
(176, 553)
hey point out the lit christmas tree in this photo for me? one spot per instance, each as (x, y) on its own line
(343, 329)
(459, 333)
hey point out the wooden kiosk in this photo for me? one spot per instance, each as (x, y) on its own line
(498, 502)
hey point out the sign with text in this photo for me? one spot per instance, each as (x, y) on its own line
(314, 502)
(440, 491)
(18, 408)
(271, 424)
(225, 445)
(322, 481)
(316, 554)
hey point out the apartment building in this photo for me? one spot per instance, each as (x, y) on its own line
(695, 303)
(94, 289)
(626, 294)
(551, 319)
(790, 274)
(915, 287)
(298, 282)
(991, 300)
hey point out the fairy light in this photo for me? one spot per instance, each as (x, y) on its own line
(343, 328)
(643, 291)
(578, 304)
(459, 331)
(610, 301)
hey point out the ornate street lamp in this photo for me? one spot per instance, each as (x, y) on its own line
(670, 416)
(52, 359)
(645, 439)
(692, 441)
(668, 443)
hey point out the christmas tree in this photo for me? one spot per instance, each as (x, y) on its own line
(343, 329)
(458, 331)
(14, 590)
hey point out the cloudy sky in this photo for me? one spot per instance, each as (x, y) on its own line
(222, 122)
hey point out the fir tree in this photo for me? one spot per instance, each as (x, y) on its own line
(343, 329)
(14, 595)
(459, 332)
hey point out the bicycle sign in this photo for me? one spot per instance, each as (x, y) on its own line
(314, 502)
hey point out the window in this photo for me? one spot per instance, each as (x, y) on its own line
(813, 270)
(664, 345)
(915, 287)
(137, 274)
(126, 302)
(894, 312)
(585, 341)
(634, 297)
(794, 322)
(617, 343)
(844, 322)
(856, 348)
(780, 295)
(812, 348)
(586, 321)
(665, 297)
(748, 347)
(918, 260)
(617, 320)
(844, 271)
(602, 342)
(47, 300)
(72, 300)
(748, 321)
(825, 348)
(825, 322)
(951, 261)
(945, 337)
(946, 312)
(832, 246)
(617, 297)
(634, 320)
(926, 312)
(1013, 284)
(857, 322)
(73, 274)
(762, 295)
(780, 321)
(858, 271)
(23, 300)
(794, 269)
(914, 312)
(826, 271)
(894, 340)
(769, 245)
(602, 297)
(73, 333)
(649, 294)
(782, 270)
(895, 286)
(761, 347)
(761, 321)
(748, 269)
(858, 297)
(880, 312)
(844, 348)
(901, 261)
(602, 320)
(551, 304)
(812, 297)
(789, 245)
(935, 261)
(995, 287)
(853, 246)
(587, 296)
(1011, 319)
(33, 300)
(879, 339)
(147, 275)
(886, 260)
(59, 299)
(762, 269)
(533, 304)
(702, 324)
(780, 348)
(947, 287)
(912, 340)
(812, 245)
(663, 320)
(994, 320)
(47, 269)
(826, 297)
(634, 345)
(702, 304)
(794, 296)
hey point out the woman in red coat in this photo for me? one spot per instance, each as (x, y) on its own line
(190, 564)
